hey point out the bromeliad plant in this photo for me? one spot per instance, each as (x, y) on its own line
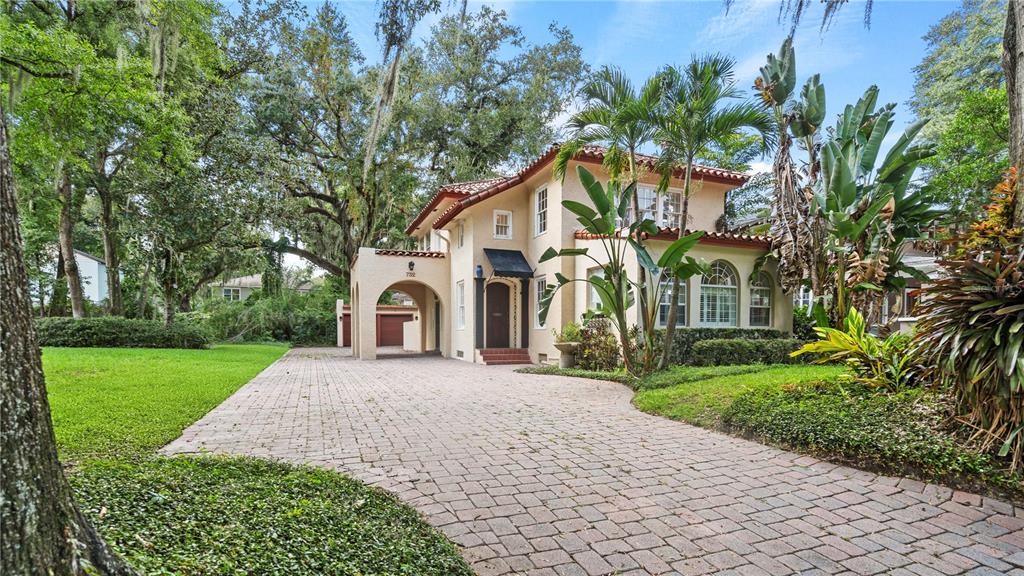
(617, 292)
(874, 362)
(971, 335)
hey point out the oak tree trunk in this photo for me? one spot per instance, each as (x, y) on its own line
(59, 293)
(108, 226)
(1013, 66)
(67, 246)
(42, 531)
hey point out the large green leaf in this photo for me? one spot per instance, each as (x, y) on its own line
(675, 252)
(595, 191)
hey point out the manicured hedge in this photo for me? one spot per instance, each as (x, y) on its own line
(725, 351)
(112, 332)
(685, 338)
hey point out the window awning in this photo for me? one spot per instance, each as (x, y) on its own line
(508, 263)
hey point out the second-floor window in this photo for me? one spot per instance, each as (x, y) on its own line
(503, 224)
(461, 233)
(541, 221)
(664, 209)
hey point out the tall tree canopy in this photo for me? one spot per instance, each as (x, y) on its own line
(964, 55)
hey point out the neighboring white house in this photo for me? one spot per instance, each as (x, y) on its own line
(93, 272)
(237, 289)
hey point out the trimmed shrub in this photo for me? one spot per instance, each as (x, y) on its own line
(726, 351)
(115, 332)
(599, 349)
(685, 338)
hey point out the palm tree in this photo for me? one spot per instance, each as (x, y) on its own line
(694, 118)
(617, 116)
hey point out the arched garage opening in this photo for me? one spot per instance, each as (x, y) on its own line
(424, 278)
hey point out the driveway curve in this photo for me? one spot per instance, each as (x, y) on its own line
(549, 475)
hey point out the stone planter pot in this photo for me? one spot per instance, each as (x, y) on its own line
(567, 358)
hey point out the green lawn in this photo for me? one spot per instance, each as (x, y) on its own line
(114, 407)
(698, 396)
(128, 402)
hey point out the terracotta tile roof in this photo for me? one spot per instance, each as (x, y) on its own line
(412, 253)
(484, 189)
(456, 190)
(715, 238)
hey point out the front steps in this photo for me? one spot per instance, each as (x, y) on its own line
(500, 356)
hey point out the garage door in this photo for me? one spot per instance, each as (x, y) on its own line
(389, 329)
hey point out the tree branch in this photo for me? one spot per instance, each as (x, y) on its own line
(315, 259)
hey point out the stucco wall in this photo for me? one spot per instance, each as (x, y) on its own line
(374, 273)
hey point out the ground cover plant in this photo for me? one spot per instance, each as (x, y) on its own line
(113, 408)
(620, 376)
(822, 410)
(211, 515)
(904, 433)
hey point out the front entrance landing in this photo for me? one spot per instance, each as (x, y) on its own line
(552, 475)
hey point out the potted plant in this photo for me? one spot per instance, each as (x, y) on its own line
(567, 340)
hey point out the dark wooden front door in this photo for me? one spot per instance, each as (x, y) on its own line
(497, 315)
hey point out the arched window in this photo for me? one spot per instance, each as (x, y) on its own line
(666, 302)
(718, 298)
(761, 301)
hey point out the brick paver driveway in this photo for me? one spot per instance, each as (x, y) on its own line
(551, 475)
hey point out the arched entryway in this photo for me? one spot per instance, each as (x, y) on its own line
(424, 278)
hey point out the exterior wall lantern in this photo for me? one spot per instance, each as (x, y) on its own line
(479, 271)
(412, 265)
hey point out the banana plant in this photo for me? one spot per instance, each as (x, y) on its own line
(869, 211)
(616, 291)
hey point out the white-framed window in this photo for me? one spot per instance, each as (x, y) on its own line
(593, 298)
(460, 304)
(232, 294)
(461, 234)
(803, 297)
(761, 301)
(540, 287)
(718, 296)
(540, 224)
(665, 303)
(671, 209)
(503, 224)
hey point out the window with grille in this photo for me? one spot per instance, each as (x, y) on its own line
(761, 301)
(541, 286)
(803, 297)
(541, 221)
(666, 303)
(718, 296)
(462, 234)
(671, 209)
(460, 304)
(503, 224)
(232, 294)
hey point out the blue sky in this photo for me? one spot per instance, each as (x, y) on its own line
(642, 36)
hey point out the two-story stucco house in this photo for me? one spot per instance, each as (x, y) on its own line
(476, 279)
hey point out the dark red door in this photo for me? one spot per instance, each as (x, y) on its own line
(497, 315)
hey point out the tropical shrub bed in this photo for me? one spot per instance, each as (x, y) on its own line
(905, 433)
(208, 515)
(724, 351)
(115, 332)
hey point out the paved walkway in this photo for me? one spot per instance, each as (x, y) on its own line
(551, 475)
